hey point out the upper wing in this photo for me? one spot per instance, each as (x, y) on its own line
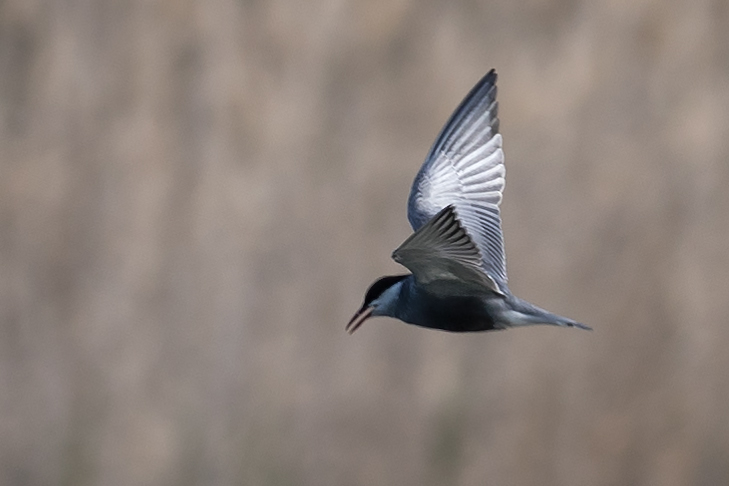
(465, 169)
(443, 258)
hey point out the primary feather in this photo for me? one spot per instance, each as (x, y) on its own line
(465, 169)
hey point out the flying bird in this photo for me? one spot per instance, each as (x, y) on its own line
(456, 254)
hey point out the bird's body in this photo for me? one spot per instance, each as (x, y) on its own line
(456, 255)
(458, 313)
(469, 312)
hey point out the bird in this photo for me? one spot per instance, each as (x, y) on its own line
(456, 254)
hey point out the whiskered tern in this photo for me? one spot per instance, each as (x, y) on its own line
(456, 255)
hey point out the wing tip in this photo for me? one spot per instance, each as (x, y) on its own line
(488, 81)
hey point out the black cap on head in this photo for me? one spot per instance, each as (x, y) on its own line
(382, 284)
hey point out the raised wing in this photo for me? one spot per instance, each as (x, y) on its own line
(465, 169)
(443, 258)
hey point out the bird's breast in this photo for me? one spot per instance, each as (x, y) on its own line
(449, 313)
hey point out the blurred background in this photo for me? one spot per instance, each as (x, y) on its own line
(195, 195)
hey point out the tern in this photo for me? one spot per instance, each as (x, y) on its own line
(456, 253)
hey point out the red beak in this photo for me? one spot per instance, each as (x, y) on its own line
(359, 318)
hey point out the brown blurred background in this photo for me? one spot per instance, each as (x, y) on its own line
(194, 196)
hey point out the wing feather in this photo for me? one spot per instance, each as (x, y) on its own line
(440, 253)
(465, 169)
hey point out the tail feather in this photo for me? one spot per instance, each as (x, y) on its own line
(523, 313)
(578, 325)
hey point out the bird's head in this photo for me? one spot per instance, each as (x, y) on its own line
(379, 300)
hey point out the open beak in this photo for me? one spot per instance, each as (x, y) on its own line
(359, 318)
